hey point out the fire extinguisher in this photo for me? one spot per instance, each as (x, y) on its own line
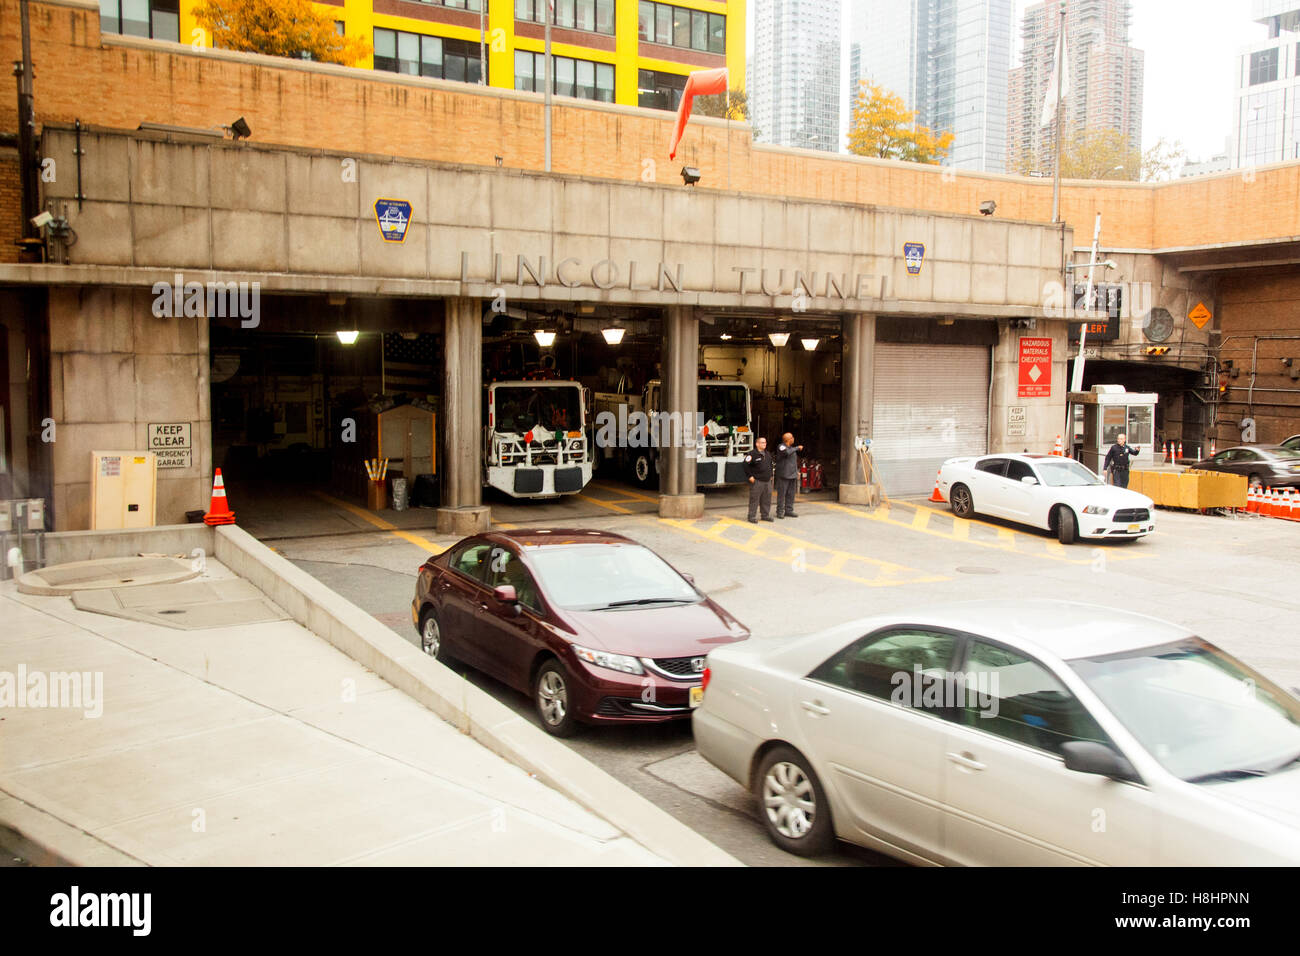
(803, 475)
(817, 477)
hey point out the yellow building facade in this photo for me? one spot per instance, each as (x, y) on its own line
(630, 52)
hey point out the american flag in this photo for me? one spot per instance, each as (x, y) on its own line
(412, 365)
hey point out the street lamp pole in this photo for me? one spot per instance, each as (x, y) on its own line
(550, 12)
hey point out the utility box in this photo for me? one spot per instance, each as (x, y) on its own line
(123, 489)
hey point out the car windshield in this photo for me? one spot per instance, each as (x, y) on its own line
(1201, 713)
(589, 577)
(724, 404)
(1290, 454)
(1065, 473)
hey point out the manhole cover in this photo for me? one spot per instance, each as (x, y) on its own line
(973, 570)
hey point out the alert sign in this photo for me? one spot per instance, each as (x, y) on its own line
(1035, 368)
(170, 442)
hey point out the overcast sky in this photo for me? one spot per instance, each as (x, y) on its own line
(1190, 48)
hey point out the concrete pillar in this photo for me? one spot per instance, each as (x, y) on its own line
(462, 511)
(681, 350)
(856, 401)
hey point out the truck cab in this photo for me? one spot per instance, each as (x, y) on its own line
(535, 442)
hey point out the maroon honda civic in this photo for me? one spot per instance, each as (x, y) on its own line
(594, 626)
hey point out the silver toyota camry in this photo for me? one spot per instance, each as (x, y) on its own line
(1010, 733)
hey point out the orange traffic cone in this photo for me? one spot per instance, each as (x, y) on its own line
(218, 511)
(1252, 499)
(935, 495)
(1214, 450)
(1269, 506)
(1180, 452)
(1166, 453)
(1059, 447)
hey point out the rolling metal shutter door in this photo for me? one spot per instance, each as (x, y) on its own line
(931, 404)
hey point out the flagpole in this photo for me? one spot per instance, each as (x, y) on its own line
(1060, 108)
(547, 55)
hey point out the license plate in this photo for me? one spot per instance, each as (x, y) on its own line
(697, 696)
(1134, 528)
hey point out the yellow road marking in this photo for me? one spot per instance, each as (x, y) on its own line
(379, 522)
(623, 492)
(833, 566)
(605, 504)
(1007, 539)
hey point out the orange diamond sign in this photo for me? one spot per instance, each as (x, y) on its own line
(1200, 315)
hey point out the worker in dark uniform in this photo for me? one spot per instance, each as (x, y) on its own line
(787, 475)
(1117, 460)
(758, 468)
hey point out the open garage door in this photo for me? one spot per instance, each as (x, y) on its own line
(931, 403)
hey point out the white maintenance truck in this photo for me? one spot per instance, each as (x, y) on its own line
(724, 434)
(535, 442)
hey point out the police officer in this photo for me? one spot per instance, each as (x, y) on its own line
(787, 475)
(1117, 460)
(758, 467)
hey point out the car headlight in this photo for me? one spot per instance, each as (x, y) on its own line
(615, 662)
(1096, 510)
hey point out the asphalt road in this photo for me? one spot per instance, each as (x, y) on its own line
(1230, 579)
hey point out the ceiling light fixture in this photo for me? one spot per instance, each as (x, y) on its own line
(725, 337)
(810, 345)
(778, 338)
(545, 339)
(348, 338)
(613, 336)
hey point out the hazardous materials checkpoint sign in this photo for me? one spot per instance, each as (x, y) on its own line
(1035, 378)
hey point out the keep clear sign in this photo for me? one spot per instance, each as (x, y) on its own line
(170, 441)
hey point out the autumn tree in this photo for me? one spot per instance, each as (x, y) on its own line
(715, 104)
(1100, 154)
(884, 127)
(1163, 160)
(289, 28)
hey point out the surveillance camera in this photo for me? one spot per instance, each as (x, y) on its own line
(1111, 264)
(42, 219)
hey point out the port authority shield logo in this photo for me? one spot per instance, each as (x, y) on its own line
(913, 255)
(393, 216)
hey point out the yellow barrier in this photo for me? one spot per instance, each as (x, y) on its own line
(1195, 490)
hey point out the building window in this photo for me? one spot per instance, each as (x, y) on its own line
(340, 27)
(1263, 66)
(472, 5)
(668, 25)
(593, 16)
(583, 79)
(418, 55)
(659, 91)
(159, 19)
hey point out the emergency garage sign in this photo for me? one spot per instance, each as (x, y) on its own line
(1035, 368)
(170, 442)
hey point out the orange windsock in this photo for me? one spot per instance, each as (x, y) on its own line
(699, 83)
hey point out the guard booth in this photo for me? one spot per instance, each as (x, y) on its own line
(1108, 412)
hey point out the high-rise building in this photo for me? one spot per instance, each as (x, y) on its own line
(1105, 75)
(634, 52)
(794, 73)
(1265, 112)
(948, 60)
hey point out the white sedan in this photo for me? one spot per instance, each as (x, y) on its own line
(1010, 733)
(1046, 491)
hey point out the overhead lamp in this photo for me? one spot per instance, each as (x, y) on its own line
(690, 175)
(239, 129)
(348, 338)
(725, 336)
(810, 345)
(988, 207)
(613, 336)
(778, 338)
(545, 339)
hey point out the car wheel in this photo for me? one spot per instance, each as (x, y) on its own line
(431, 635)
(552, 699)
(1066, 525)
(959, 500)
(793, 803)
(643, 469)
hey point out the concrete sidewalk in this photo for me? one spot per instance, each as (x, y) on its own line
(258, 745)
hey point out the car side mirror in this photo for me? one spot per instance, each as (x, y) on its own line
(505, 594)
(1088, 756)
(1029, 480)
